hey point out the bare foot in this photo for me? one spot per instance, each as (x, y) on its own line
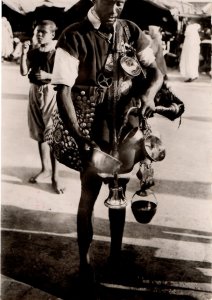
(41, 176)
(58, 188)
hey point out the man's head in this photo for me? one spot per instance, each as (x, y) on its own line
(45, 31)
(108, 10)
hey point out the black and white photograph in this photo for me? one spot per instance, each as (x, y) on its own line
(106, 150)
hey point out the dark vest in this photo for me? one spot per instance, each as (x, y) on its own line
(95, 112)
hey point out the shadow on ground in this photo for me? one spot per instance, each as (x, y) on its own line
(194, 190)
(198, 118)
(12, 96)
(20, 176)
(40, 254)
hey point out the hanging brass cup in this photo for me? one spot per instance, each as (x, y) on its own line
(116, 198)
(154, 148)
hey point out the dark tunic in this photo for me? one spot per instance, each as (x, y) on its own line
(39, 60)
(85, 43)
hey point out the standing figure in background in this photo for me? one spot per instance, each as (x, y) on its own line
(7, 39)
(189, 60)
(16, 54)
(38, 64)
(205, 51)
(157, 47)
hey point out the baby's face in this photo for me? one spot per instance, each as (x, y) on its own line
(44, 34)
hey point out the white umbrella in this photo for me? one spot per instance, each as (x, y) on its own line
(207, 9)
(26, 6)
(177, 7)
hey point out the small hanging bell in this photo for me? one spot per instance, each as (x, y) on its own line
(116, 198)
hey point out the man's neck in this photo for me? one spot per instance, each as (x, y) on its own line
(96, 22)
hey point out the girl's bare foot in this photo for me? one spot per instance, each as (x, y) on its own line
(58, 187)
(41, 176)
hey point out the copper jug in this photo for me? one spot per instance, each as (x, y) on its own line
(131, 150)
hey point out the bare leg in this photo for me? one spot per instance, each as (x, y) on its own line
(117, 222)
(90, 187)
(56, 184)
(44, 154)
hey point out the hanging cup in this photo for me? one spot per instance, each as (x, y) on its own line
(144, 206)
(154, 147)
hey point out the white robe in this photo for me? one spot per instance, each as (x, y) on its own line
(189, 60)
(7, 38)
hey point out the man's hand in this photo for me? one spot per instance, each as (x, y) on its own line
(147, 107)
(25, 47)
(86, 144)
(154, 81)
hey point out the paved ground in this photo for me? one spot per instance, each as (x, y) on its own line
(170, 258)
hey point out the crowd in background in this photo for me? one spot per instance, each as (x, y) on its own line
(173, 46)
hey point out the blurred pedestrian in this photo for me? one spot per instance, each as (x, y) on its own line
(205, 51)
(157, 47)
(38, 63)
(7, 39)
(189, 60)
(16, 54)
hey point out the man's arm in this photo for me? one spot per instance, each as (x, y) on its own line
(66, 108)
(154, 79)
(160, 60)
(68, 115)
(64, 74)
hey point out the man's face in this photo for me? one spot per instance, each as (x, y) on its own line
(109, 10)
(44, 34)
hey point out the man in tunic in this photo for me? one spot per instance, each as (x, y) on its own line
(90, 81)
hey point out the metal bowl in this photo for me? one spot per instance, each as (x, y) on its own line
(105, 163)
(154, 148)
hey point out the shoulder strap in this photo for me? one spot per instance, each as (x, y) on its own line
(125, 27)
